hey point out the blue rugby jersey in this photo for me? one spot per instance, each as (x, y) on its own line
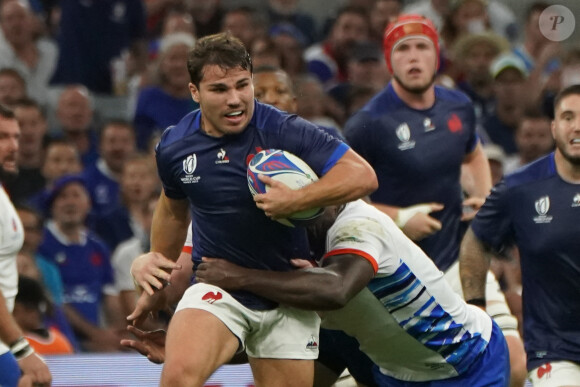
(211, 173)
(417, 156)
(539, 212)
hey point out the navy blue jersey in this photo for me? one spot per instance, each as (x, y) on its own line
(539, 212)
(102, 187)
(417, 156)
(211, 173)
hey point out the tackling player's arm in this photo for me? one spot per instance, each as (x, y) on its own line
(474, 261)
(349, 179)
(321, 288)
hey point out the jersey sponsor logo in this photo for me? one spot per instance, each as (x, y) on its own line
(212, 297)
(428, 125)
(454, 123)
(80, 294)
(542, 206)
(60, 258)
(312, 343)
(403, 133)
(545, 370)
(222, 157)
(576, 200)
(189, 165)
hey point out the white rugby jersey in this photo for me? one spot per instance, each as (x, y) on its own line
(11, 239)
(408, 320)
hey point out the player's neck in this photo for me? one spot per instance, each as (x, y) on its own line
(418, 101)
(567, 170)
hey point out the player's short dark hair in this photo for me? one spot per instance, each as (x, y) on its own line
(6, 112)
(570, 90)
(223, 50)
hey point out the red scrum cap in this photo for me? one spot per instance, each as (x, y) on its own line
(407, 26)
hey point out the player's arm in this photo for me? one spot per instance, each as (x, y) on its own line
(414, 220)
(322, 288)
(475, 179)
(349, 179)
(168, 233)
(474, 261)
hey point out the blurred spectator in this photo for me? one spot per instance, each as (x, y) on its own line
(265, 52)
(382, 13)
(286, 11)
(314, 104)
(84, 265)
(533, 138)
(541, 57)
(207, 16)
(357, 97)
(126, 252)
(290, 43)
(138, 183)
(328, 60)
(33, 58)
(245, 23)
(33, 129)
(60, 158)
(509, 88)
(496, 158)
(74, 115)
(462, 18)
(116, 145)
(175, 21)
(32, 309)
(157, 11)
(166, 101)
(91, 35)
(570, 72)
(12, 86)
(366, 68)
(501, 17)
(474, 54)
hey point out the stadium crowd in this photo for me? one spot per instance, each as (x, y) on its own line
(94, 83)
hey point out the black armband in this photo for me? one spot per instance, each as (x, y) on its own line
(477, 302)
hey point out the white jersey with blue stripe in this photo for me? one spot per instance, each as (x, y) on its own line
(408, 320)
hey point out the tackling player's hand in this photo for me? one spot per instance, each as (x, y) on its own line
(219, 272)
(149, 343)
(470, 207)
(152, 270)
(279, 201)
(148, 306)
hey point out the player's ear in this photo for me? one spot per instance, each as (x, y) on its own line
(194, 92)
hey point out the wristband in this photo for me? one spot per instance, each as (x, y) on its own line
(477, 302)
(21, 348)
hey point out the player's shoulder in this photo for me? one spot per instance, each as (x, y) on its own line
(542, 169)
(452, 95)
(189, 125)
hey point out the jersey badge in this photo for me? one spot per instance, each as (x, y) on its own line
(454, 123)
(542, 206)
(222, 158)
(212, 297)
(403, 132)
(576, 200)
(312, 343)
(189, 165)
(428, 124)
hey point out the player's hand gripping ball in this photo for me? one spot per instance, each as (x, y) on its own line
(288, 169)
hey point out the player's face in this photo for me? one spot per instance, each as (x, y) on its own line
(9, 136)
(566, 128)
(414, 63)
(226, 99)
(274, 88)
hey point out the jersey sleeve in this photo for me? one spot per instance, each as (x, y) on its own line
(317, 148)
(170, 187)
(492, 224)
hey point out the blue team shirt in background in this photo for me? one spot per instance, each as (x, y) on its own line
(539, 212)
(211, 172)
(417, 156)
(85, 268)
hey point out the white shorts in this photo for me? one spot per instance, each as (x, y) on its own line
(556, 374)
(497, 306)
(280, 333)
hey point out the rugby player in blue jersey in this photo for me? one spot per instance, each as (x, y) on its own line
(537, 208)
(202, 162)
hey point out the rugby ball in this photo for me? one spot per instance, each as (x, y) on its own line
(289, 169)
